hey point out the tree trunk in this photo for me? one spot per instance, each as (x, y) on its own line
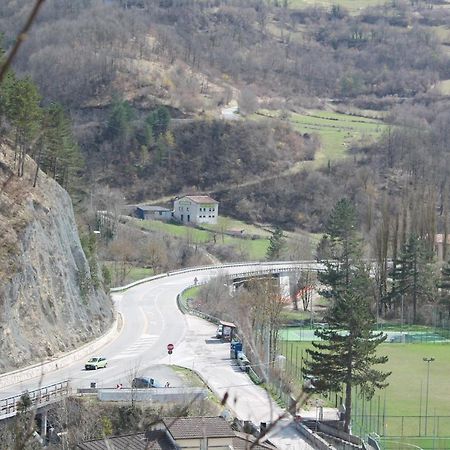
(348, 406)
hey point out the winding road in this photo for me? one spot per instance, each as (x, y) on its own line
(151, 320)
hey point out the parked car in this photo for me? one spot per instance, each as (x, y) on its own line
(243, 362)
(96, 363)
(145, 382)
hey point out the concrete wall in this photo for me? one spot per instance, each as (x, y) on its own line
(160, 395)
(36, 370)
(339, 434)
(314, 439)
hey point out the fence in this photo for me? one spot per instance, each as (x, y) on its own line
(399, 432)
(33, 399)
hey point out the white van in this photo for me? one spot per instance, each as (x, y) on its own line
(243, 362)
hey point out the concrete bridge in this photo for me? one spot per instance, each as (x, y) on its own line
(39, 401)
(283, 272)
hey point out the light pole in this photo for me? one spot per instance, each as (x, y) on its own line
(428, 361)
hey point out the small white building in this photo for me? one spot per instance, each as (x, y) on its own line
(196, 209)
(153, 213)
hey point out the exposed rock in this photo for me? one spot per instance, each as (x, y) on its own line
(42, 264)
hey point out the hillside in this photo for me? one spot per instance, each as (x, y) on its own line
(48, 299)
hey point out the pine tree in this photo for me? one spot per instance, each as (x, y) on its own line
(414, 281)
(120, 121)
(340, 249)
(346, 353)
(24, 114)
(444, 288)
(61, 156)
(159, 121)
(277, 242)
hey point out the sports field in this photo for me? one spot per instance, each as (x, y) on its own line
(400, 409)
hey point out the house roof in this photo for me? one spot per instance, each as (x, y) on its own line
(153, 208)
(200, 198)
(152, 440)
(227, 324)
(197, 427)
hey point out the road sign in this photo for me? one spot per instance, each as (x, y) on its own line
(170, 347)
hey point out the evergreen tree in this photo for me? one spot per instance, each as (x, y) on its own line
(413, 278)
(340, 250)
(61, 153)
(346, 353)
(444, 288)
(6, 89)
(159, 121)
(277, 242)
(24, 114)
(120, 121)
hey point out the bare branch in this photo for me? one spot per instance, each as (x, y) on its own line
(20, 38)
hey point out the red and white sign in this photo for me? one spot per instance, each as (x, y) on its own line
(170, 347)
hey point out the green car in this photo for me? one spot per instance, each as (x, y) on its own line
(95, 363)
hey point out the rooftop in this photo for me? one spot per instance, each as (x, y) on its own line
(201, 198)
(152, 440)
(197, 427)
(153, 208)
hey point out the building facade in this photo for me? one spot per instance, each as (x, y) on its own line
(196, 209)
(153, 213)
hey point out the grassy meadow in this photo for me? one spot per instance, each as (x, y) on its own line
(337, 131)
(255, 248)
(406, 393)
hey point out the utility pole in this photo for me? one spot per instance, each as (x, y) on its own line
(428, 361)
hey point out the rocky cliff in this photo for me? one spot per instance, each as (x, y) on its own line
(43, 311)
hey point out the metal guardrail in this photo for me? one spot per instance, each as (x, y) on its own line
(45, 395)
(287, 266)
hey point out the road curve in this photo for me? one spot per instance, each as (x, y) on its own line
(151, 320)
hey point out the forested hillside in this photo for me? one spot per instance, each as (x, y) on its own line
(181, 50)
(144, 82)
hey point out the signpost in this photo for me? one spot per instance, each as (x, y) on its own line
(170, 348)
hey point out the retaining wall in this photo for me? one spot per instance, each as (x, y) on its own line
(160, 395)
(37, 370)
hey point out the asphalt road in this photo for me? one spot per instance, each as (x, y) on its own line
(151, 320)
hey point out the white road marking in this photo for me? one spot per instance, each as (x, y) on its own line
(141, 345)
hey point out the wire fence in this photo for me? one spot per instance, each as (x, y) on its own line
(406, 335)
(398, 432)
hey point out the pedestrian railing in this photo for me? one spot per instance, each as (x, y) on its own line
(34, 399)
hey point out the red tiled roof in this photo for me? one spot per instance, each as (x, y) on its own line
(201, 199)
(198, 427)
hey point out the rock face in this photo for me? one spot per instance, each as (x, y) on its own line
(43, 312)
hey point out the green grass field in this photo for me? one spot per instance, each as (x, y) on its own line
(138, 273)
(406, 393)
(255, 248)
(337, 131)
(228, 224)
